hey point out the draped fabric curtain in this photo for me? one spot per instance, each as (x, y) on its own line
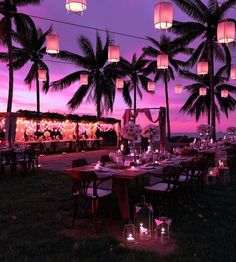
(128, 115)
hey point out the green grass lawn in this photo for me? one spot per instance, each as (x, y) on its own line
(33, 210)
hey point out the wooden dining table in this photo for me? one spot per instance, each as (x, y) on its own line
(121, 178)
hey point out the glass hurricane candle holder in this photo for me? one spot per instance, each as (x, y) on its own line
(143, 220)
(163, 225)
(129, 234)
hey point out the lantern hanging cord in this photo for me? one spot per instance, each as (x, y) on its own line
(88, 27)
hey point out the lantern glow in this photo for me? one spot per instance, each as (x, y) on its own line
(113, 54)
(178, 89)
(83, 79)
(202, 91)
(52, 43)
(162, 61)
(42, 75)
(76, 6)
(233, 73)
(119, 83)
(224, 93)
(226, 32)
(151, 86)
(163, 15)
(202, 68)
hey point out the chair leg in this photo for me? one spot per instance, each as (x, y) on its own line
(75, 211)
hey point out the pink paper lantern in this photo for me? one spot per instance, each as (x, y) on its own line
(52, 43)
(202, 91)
(162, 61)
(42, 75)
(233, 73)
(224, 93)
(178, 89)
(113, 53)
(119, 83)
(163, 15)
(83, 79)
(202, 68)
(151, 86)
(226, 32)
(76, 6)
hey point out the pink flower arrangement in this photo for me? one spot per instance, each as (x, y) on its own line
(151, 132)
(131, 131)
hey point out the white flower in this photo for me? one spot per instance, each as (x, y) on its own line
(150, 131)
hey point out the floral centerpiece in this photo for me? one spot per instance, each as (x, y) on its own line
(231, 130)
(151, 132)
(131, 132)
(204, 131)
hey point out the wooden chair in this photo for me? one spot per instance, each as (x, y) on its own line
(79, 162)
(166, 187)
(26, 159)
(86, 186)
(6, 159)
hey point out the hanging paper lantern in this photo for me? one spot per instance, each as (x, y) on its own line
(226, 32)
(202, 91)
(163, 15)
(233, 73)
(76, 6)
(224, 93)
(178, 89)
(202, 67)
(119, 83)
(162, 61)
(52, 43)
(151, 86)
(42, 75)
(83, 79)
(113, 53)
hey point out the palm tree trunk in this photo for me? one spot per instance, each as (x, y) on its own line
(11, 79)
(99, 108)
(212, 88)
(38, 100)
(135, 101)
(167, 106)
(209, 117)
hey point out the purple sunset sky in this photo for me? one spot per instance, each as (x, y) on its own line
(128, 16)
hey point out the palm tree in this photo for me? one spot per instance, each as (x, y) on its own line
(8, 9)
(206, 19)
(33, 50)
(135, 72)
(172, 48)
(200, 105)
(101, 86)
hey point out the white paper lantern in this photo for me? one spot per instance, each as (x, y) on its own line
(119, 83)
(224, 93)
(52, 43)
(202, 68)
(178, 89)
(113, 53)
(151, 86)
(83, 79)
(233, 73)
(42, 75)
(226, 32)
(76, 6)
(162, 61)
(202, 91)
(163, 15)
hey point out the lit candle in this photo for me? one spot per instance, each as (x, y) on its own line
(141, 232)
(156, 151)
(122, 147)
(130, 238)
(163, 233)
